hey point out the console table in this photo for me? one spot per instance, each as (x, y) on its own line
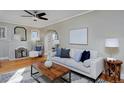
(112, 70)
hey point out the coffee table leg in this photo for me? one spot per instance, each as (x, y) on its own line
(34, 74)
(70, 77)
(31, 70)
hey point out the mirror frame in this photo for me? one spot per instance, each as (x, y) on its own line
(21, 28)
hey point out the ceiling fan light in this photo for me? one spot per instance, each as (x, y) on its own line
(35, 18)
(35, 15)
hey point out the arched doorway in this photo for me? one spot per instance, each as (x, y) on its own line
(51, 41)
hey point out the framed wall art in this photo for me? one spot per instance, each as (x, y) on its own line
(79, 36)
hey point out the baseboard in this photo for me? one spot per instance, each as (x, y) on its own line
(4, 58)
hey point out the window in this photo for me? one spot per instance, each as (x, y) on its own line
(2, 32)
(34, 35)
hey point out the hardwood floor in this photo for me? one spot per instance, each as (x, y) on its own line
(10, 65)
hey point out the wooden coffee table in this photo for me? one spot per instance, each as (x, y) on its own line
(53, 73)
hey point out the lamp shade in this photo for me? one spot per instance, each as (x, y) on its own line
(112, 42)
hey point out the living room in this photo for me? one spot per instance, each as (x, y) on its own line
(36, 36)
(101, 26)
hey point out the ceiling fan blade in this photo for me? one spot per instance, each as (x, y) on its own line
(43, 18)
(41, 14)
(29, 12)
(26, 16)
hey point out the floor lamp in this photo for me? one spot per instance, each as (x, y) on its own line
(111, 43)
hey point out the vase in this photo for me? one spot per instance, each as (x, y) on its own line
(48, 64)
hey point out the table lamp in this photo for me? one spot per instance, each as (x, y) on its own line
(111, 43)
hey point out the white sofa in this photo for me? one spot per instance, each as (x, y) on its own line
(91, 68)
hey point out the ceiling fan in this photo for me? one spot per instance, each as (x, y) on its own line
(35, 15)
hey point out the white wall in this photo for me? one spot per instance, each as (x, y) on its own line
(7, 46)
(101, 25)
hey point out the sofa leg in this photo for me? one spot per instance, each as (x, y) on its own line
(93, 80)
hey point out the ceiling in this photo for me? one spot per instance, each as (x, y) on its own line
(54, 16)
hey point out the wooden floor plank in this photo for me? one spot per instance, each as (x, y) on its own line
(10, 65)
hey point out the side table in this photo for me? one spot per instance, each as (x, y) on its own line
(113, 69)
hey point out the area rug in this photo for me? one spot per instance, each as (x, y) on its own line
(23, 76)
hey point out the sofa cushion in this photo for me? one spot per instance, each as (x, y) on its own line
(65, 53)
(71, 63)
(85, 56)
(77, 56)
(87, 62)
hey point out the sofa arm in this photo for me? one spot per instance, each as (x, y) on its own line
(97, 66)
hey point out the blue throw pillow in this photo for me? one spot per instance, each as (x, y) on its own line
(58, 52)
(38, 48)
(77, 56)
(85, 56)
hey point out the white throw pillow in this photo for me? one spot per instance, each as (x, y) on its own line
(77, 56)
(73, 50)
